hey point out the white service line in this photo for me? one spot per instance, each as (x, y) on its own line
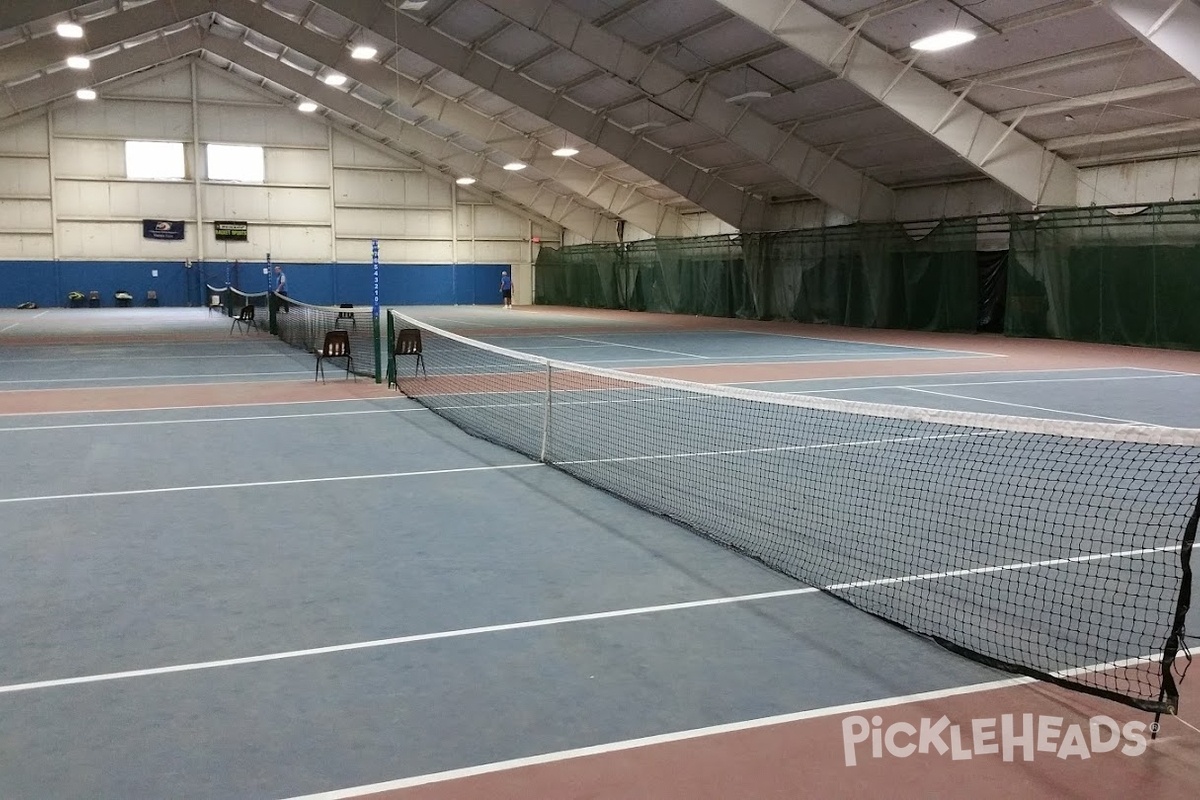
(874, 344)
(252, 484)
(398, 640)
(354, 792)
(155, 377)
(553, 621)
(163, 357)
(202, 407)
(987, 383)
(937, 375)
(205, 420)
(1032, 407)
(632, 346)
(18, 322)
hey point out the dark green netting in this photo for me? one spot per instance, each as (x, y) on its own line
(1122, 276)
(583, 275)
(876, 276)
(862, 275)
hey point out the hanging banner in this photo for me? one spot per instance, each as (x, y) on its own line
(169, 230)
(231, 231)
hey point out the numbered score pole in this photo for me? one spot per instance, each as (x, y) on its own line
(375, 309)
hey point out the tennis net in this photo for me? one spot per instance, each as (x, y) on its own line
(236, 300)
(1040, 547)
(304, 326)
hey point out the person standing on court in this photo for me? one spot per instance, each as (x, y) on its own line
(506, 289)
(281, 287)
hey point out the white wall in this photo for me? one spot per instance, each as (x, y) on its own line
(326, 194)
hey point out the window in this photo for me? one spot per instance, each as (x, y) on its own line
(235, 162)
(155, 161)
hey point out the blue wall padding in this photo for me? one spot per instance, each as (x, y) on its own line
(47, 283)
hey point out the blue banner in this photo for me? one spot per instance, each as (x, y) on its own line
(169, 230)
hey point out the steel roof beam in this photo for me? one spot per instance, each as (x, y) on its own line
(1170, 26)
(1031, 171)
(725, 201)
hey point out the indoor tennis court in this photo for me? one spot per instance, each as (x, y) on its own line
(228, 579)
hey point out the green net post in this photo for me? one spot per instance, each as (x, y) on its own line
(272, 311)
(391, 351)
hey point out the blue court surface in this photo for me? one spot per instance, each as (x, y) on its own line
(268, 600)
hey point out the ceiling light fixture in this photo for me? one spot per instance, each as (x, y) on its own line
(363, 52)
(465, 181)
(334, 79)
(943, 40)
(78, 62)
(565, 152)
(69, 30)
(307, 107)
(413, 5)
(756, 94)
(85, 94)
(514, 166)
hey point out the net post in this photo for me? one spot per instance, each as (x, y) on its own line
(375, 306)
(546, 417)
(391, 351)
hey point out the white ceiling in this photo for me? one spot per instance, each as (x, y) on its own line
(641, 88)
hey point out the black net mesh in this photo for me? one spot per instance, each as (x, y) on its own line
(305, 326)
(1037, 546)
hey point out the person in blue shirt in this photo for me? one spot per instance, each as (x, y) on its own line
(506, 289)
(281, 288)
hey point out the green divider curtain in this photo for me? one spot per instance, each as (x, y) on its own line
(1121, 275)
(863, 275)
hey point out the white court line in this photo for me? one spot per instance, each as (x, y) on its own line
(251, 484)
(201, 407)
(633, 347)
(848, 358)
(549, 622)
(20, 321)
(163, 357)
(945, 374)
(153, 377)
(354, 792)
(417, 473)
(989, 383)
(205, 420)
(1035, 408)
(155, 386)
(873, 344)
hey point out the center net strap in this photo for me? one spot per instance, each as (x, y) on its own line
(1037, 546)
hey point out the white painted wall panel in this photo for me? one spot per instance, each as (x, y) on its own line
(103, 240)
(85, 158)
(17, 245)
(349, 152)
(493, 221)
(26, 137)
(25, 214)
(1147, 182)
(125, 119)
(138, 200)
(258, 204)
(263, 126)
(214, 88)
(493, 252)
(297, 166)
(397, 252)
(172, 84)
(24, 176)
(299, 243)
